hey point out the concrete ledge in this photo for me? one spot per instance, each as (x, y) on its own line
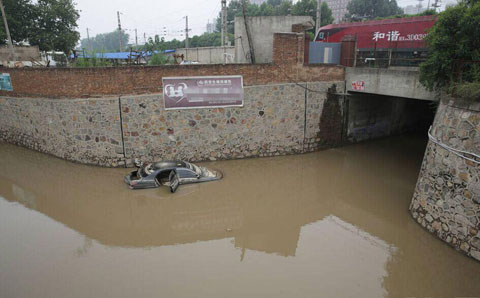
(390, 82)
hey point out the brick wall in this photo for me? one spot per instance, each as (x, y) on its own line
(288, 48)
(92, 82)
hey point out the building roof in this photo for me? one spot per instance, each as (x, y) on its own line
(382, 22)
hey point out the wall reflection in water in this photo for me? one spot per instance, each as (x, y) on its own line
(333, 222)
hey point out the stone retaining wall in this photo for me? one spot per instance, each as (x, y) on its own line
(447, 195)
(82, 130)
(276, 119)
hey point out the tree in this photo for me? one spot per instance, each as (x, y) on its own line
(309, 8)
(305, 8)
(454, 37)
(55, 25)
(159, 44)
(20, 15)
(326, 15)
(371, 9)
(50, 24)
(106, 42)
(208, 40)
(234, 8)
(275, 8)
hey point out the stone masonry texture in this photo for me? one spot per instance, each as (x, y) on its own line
(275, 119)
(263, 127)
(82, 130)
(447, 195)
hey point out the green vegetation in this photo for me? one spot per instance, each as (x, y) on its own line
(275, 8)
(371, 9)
(159, 59)
(159, 44)
(468, 91)
(60, 59)
(455, 37)
(93, 61)
(309, 8)
(399, 16)
(208, 40)
(106, 42)
(326, 15)
(50, 24)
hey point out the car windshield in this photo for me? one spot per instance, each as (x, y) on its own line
(193, 167)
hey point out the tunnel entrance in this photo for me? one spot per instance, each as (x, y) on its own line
(370, 116)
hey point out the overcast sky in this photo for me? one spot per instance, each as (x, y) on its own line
(156, 16)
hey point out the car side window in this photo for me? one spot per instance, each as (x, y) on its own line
(184, 173)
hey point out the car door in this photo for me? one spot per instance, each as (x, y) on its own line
(187, 176)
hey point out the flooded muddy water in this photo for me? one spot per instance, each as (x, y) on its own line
(329, 224)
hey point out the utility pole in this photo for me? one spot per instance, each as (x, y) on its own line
(89, 42)
(186, 32)
(144, 38)
(249, 37)
(419, 6)
(224, 23)
(436, 5)
(136, 40)
(10, 44)
(319, 16)
(119, 30)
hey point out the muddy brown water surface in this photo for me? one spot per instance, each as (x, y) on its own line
(329, 224)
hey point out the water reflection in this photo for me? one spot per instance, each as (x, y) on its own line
(262, 205)
(333, 222)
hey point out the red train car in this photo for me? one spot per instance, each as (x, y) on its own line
(401, 33)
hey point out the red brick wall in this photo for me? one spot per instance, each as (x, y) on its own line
(287, 66)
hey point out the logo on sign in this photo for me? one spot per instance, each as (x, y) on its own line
(358, 85)
(176, 92)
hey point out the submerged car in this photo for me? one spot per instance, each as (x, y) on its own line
(171, 173)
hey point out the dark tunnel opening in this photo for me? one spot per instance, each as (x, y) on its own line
(371, 116)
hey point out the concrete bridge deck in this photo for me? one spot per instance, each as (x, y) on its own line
(398, 82)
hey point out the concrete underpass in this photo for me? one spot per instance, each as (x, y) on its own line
(371, 116)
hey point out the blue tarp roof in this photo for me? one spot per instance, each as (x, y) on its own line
(122, 55)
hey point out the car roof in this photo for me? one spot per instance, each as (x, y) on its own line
(166, 164)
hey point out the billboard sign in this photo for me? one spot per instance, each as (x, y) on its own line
(5, 82)
(202, 92)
